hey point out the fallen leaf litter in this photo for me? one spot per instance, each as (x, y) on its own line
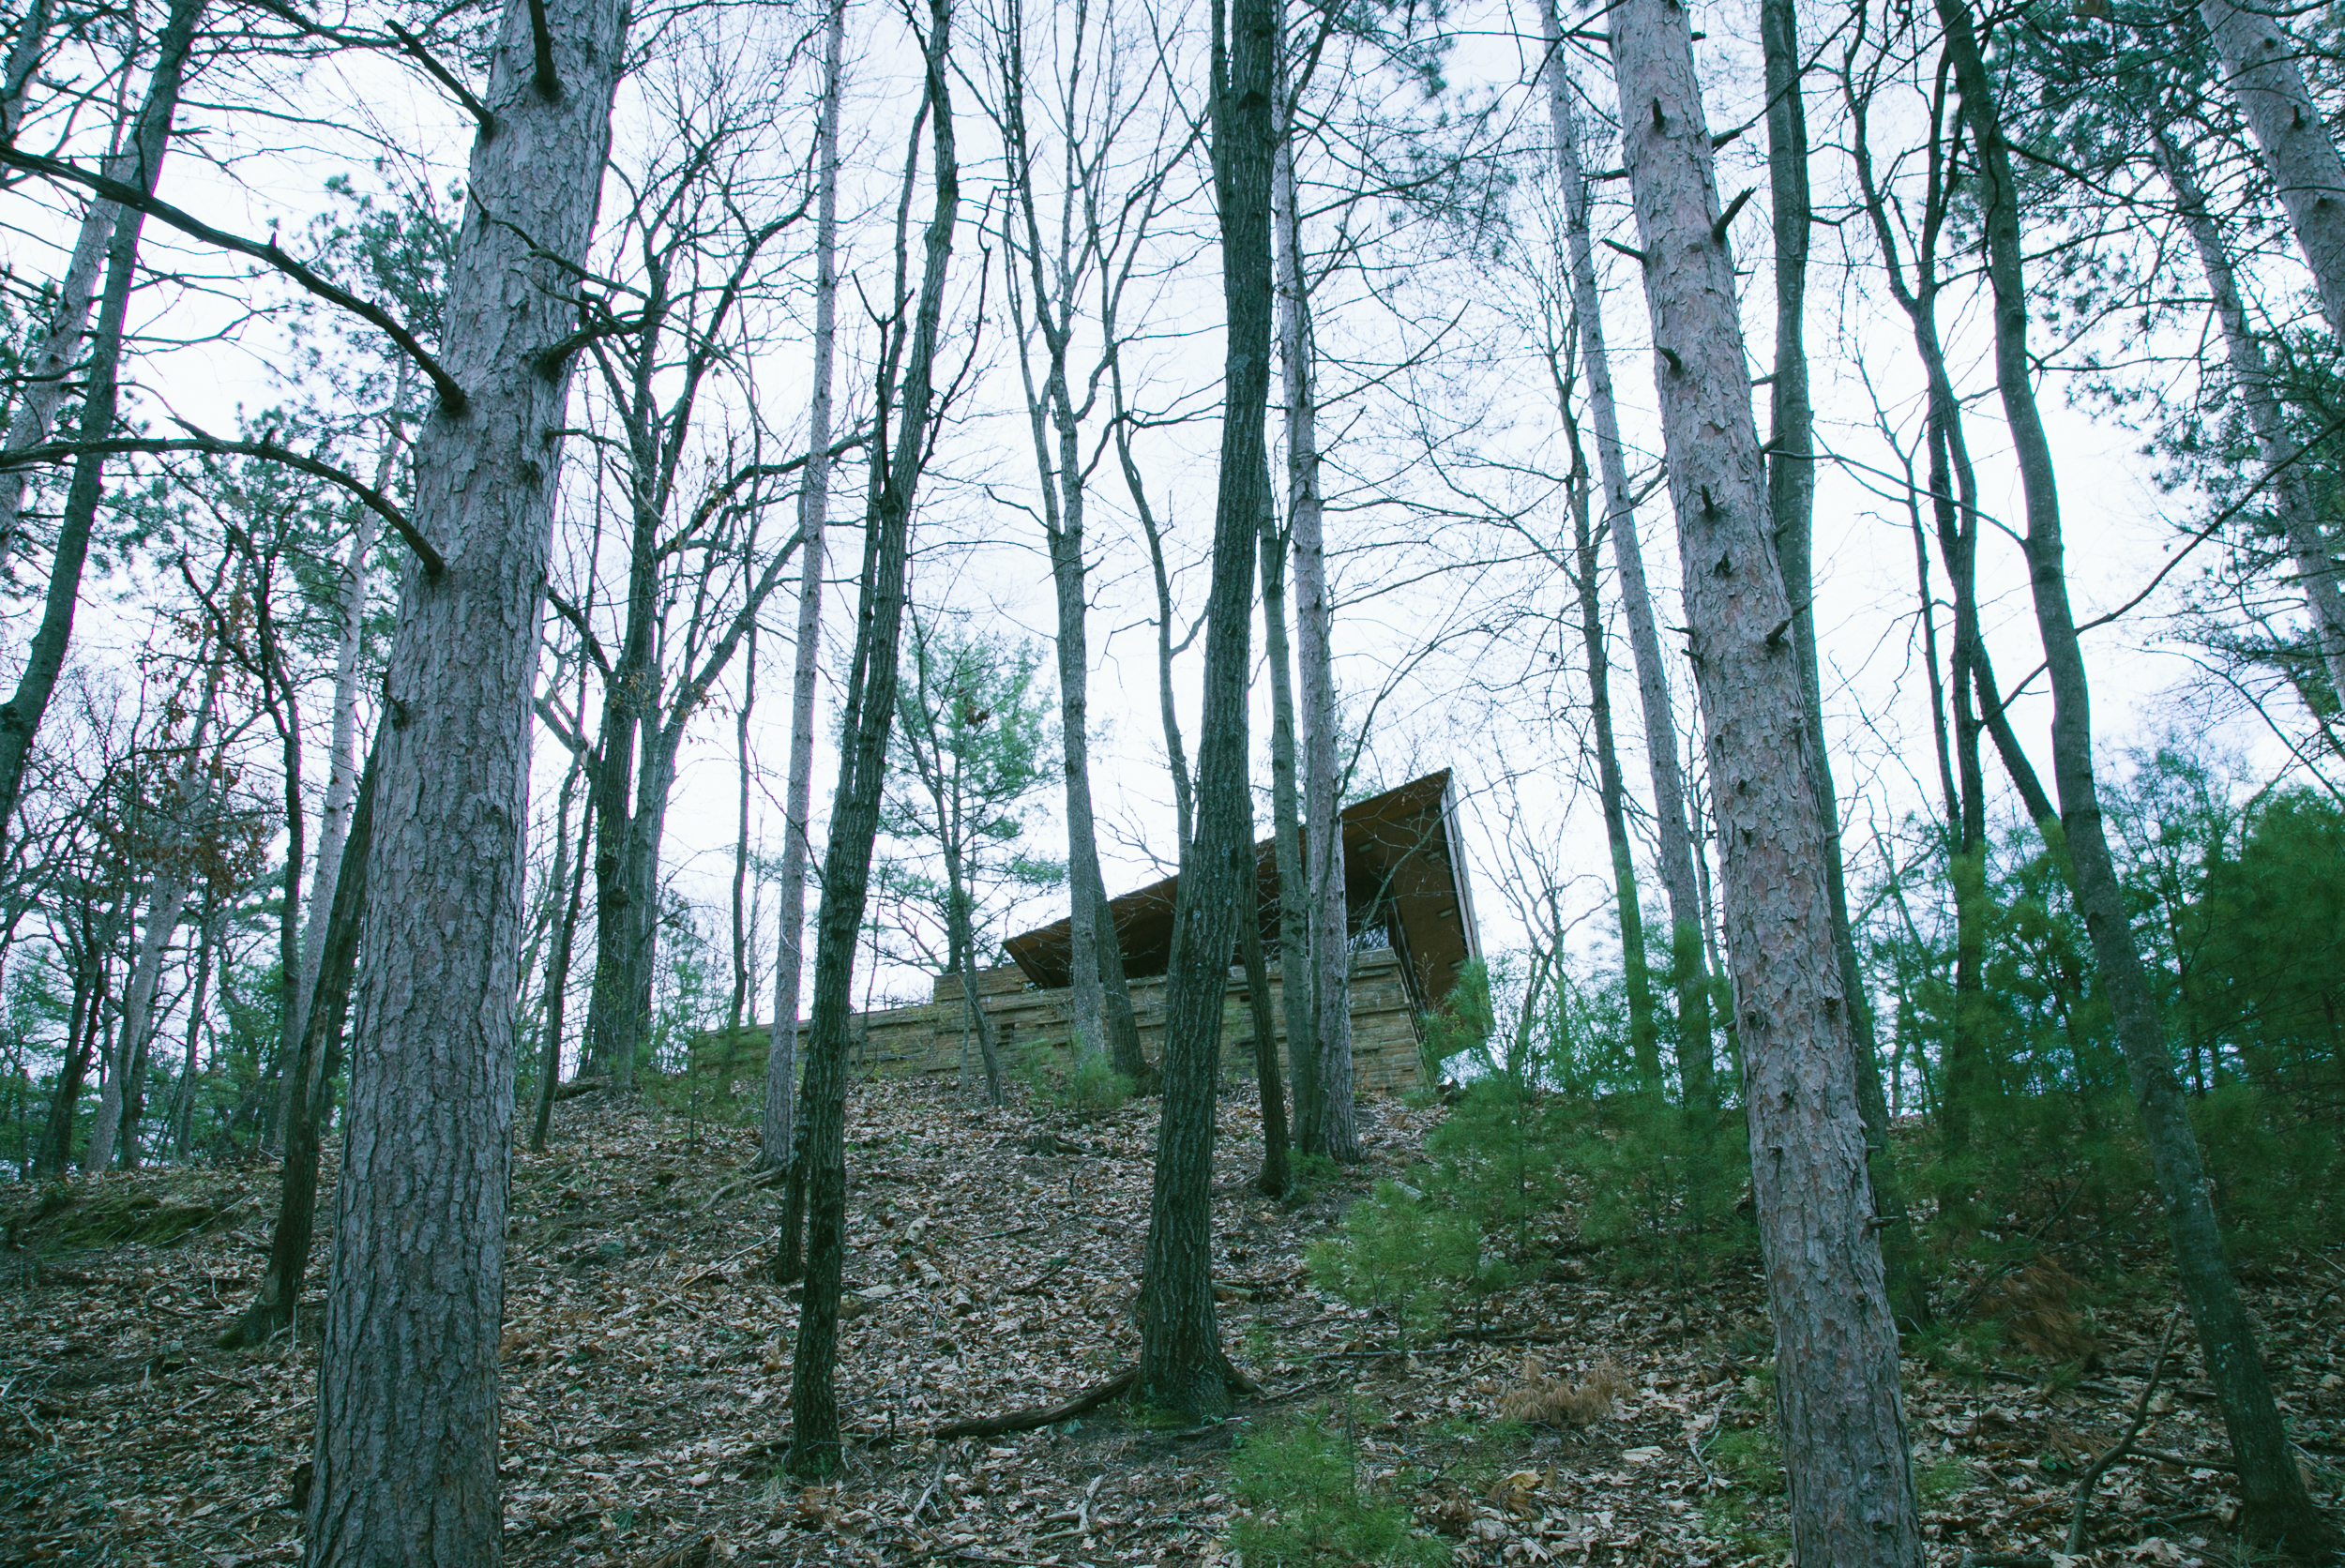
(991, 1267)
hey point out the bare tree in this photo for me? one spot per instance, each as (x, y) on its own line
(1688, 971)
(818, 1180)
(406, 1451)
(2276, 1507)
(2259, 58)
(1182, 1366)
(778, 1122)
(1836, 1392)
(44, 654)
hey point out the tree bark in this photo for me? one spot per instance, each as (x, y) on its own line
(1838, 1399)
(342, 760)
(2259, 59)
(1689, 971)
(2274, 1505)
(84, 1038)
(24, 57)
(1791, 502)
(778, 1117)
(2293, 500)
(1181, 1366)
(311, 1073)
(741, 899)
(820, 1162)
(1271, 1092)
(1328, 904)
(405, 1458)
(1644, 1039)
(168, 898)
(552, 1019)
(44, 655)
(1294, 990)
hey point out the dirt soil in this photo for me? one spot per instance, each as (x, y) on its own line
(993, 1255)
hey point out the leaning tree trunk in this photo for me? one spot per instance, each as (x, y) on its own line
(1181, 1366)
(572, 874)
(169, 898)
(25, 58)
(779, 1119)
(2259, 58)
(1295, 991)
(44, 655)
(51, 364)
(2291, 489)
(342, 760)
(2276, 1507)
(1792, 502)
(1326, 904)
(406, 1451)
(311, 1073)
(820, 1167)
(1644, 1039)
(1689, 971)
(1837, 1398)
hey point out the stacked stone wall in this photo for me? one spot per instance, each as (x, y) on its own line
(931, 1038)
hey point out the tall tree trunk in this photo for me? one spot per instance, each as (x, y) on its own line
(821, 1164)
(1294, 990)
(1791, 504)
(1102, 1012)
(311, 1073)
(164, 903)
(741, 838)
(2291, 487)
(573, 874)
(25, 58)
(1167, 710)
(183, 1093)
(1328, 904)
(46, 376)
(2276, 1507)
(44, 655)
(1689, 971)
(278, 697)
(2259, 59)
(973, 1005)
(1836, 1392)
(1181, 1366)
(342, 760)
(778, 1121)
(1954, 500)
(405, 1459)
(1644, 1039)
(84, 1038)
(1271, 1092)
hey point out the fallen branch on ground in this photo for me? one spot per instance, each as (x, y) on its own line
(1026, 1421)
(2116, 1451)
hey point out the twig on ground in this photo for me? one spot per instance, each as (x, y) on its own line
(2116, 1451)
(1026, 1421)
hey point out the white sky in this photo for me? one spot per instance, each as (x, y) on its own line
(1465, 708)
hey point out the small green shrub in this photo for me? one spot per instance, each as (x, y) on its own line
(1094, 1087)
(1089, 1086)
(1752, 1457)
(1305, 1507)
(1406, 1257)
(1939, 1480)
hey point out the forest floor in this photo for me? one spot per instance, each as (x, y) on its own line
(992, 1257)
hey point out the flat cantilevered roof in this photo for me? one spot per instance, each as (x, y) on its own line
(1404, 878)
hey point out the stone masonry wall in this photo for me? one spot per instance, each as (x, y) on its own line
(930, 1038)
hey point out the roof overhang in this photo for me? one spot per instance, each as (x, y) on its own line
(1405, 876)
